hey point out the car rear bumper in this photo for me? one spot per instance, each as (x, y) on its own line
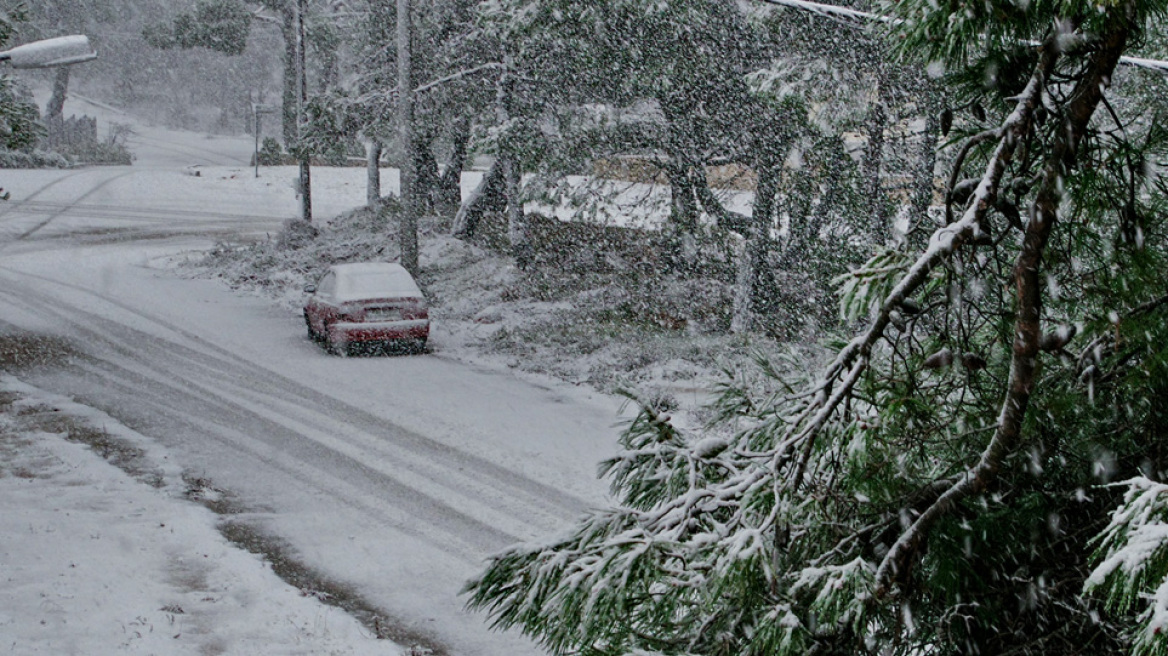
(379, 331)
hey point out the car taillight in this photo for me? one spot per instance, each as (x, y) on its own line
(415, 313)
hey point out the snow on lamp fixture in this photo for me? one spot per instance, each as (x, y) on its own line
(49, 53)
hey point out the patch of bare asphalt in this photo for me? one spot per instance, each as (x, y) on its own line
(24, 350)
(314, 584)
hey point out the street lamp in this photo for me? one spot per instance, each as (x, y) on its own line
(50, 53)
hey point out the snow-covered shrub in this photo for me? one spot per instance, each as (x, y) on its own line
(37, 159)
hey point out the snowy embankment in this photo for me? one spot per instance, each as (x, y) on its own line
(100, 560)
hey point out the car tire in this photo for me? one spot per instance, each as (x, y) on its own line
(312, 334)
(327, 339)
(419, 345)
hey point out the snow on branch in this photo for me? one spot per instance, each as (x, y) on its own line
(1132, 560)
(896, 561)
(1084, 99)
(459, 75)
(836, 386)
(844, 15)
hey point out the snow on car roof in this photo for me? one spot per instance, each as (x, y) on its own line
(373, 280)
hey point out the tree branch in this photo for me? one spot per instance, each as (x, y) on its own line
(942, 244)
(457, 76)
(1027, 328)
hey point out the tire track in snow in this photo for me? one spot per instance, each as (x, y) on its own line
(139, 213)
(379, 498)
(92, 190)
(183, 407)
(17, 204)
(228, 362)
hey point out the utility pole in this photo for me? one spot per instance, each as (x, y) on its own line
(301, 100)
(408, 227)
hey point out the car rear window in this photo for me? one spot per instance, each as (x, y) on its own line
(375, 284)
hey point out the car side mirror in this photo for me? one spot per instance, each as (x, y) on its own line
(311, 289)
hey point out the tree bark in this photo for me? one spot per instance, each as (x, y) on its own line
(56, 106)
(408, 227)
(683, 208)
(449, 196)
(290, 91)
(742, 316)
(762, 281)
(301, 101)
(873, 160)
(373, 174)
(487, 196)
(512, 174)
(426, 167)
(927, 172)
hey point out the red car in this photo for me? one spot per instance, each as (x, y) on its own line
(370, 303)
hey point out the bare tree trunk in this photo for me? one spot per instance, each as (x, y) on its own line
(742, 317)
(516, 221)
(290, 92)
(408, 227)
(512, 175)
(301, 100)
(873, 159)
(56, 106)
(923, 193)
(450, 184)
(683, 202)
(426, 173)
(752, 255)
(683, 199)
(487, 196)
(373, 174)
(326, 49)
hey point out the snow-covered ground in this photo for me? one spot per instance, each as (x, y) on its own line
(96, 561)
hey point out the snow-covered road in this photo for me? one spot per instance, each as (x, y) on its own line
(395, 475)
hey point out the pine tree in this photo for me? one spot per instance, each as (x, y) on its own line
(20, 126)
(937, 482)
